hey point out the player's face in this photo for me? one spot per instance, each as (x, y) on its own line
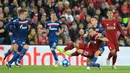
(93, 21)
(53, 16)
(110, 14)
(92, 32)
(24, 15)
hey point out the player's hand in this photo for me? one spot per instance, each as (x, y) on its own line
(10, 33)
(85, 35)
(57, 33)
(99, 35)
(126, 37)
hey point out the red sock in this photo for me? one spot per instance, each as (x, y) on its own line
(75, 53)
(114, 59)
(69, 47)
(109, 56)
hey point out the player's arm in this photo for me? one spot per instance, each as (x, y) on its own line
(102, 31)
(104, 39)
(7, 26)
(86, 34)
(60, 30)
(121, 30)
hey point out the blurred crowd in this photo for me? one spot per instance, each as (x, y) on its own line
(74, 16)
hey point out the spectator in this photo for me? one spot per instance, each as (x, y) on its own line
(32, 36)
(65, 33)
(6, 3)
(6, 14)
(1, 14)
(41, 35)
(40, 13)
(73, 32)
(3, 34)
(121, 42)
(83, 14)
(98, 13)
(59, 9)
(91, 9)
(78, 20)
(43, 19)
(66, 5)
(81, 34)
(69, 15)
(39, 4)
(23, 5)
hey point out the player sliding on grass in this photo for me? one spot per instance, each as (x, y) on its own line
(111, 26)
(89, 50)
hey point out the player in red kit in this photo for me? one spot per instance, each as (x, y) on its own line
(111, 27)
(93, 47)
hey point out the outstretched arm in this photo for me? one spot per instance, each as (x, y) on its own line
(104, 39)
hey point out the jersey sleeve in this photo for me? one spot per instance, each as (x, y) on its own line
(120, 29)
(8, 25)
(102, 31)
(33, 25)
(103, 24)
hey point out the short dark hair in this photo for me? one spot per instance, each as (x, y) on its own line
(22, 11)
(109, 10)
(93, 28)
(95, 18)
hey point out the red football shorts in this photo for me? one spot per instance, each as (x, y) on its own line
(83, 46)
(112, 46)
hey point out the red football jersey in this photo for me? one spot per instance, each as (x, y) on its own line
(111, 27)
(94, 43)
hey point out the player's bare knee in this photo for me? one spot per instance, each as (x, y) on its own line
(25, 46)
(97, 53)
(113, 51)
(12, 47)
(15, 46)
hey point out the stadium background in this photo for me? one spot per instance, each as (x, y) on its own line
(74, 15)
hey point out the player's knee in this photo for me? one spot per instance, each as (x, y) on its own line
(15, 46)
(113, 51)
(97, 53)
(80, 51)
(25, 46)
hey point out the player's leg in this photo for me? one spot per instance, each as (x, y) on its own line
(115, 57)
(22, 53)
(53, 45)
(94, 59)
(68, 47)
(9, 51)
(13, 46)
(111, 53)
(75, 54)
(15, 56)
(86, 53)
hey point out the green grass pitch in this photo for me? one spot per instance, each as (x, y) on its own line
(60, 69)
